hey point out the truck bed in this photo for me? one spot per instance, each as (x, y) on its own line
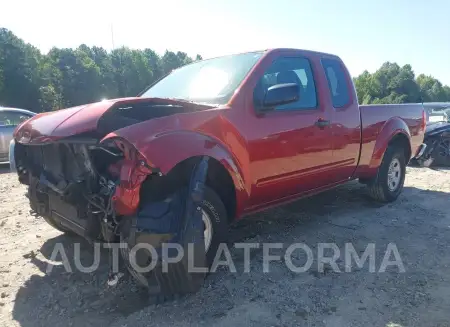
(407, 118)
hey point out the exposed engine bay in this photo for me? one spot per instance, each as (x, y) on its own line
(126, 114)
(70, 186)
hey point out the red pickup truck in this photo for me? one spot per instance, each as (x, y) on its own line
(242, 132)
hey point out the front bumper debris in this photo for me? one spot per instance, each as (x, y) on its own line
(175, 220)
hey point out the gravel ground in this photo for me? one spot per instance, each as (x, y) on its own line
(418, 223)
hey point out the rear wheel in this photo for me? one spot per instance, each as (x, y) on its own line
(388, 184)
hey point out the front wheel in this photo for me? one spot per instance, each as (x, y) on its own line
(388, 184)
(215, 220)
(178, 280)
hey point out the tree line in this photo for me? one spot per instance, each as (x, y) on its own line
(68, 77)
(394, 84)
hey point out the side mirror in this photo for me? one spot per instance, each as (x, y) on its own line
(281, 94)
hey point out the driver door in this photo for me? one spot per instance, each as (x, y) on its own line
(290, 153)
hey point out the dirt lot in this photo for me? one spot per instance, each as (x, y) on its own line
(418, 223)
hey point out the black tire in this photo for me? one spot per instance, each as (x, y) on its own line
(379, 188)
(214, 207)
(177, 281)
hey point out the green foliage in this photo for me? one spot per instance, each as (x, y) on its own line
(69, 77)
(394, 84)
(19, 63)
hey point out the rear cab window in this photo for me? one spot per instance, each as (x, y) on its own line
(289, 70)
(337, 82)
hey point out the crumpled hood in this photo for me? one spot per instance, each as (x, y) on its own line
(52, 126)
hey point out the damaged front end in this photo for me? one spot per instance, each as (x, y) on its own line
(173, 227)
(72, 184)
(94, 189)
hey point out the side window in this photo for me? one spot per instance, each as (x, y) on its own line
(8, 118)
(289, 70)
(337, 82)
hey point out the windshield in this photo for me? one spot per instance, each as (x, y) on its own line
(211, 81)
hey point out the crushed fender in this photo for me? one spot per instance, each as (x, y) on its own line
(175, 220)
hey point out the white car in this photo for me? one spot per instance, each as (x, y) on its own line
(9, 119)
(437, 111)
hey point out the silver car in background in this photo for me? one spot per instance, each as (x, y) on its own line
(9, 119)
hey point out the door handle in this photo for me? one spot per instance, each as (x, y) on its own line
(322, 123)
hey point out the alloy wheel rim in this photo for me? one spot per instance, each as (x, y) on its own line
(208, 230)
(394, 175)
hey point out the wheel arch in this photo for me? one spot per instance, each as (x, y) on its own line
(218, 179)
(171, 152)
(394, 131)
(403, 141)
